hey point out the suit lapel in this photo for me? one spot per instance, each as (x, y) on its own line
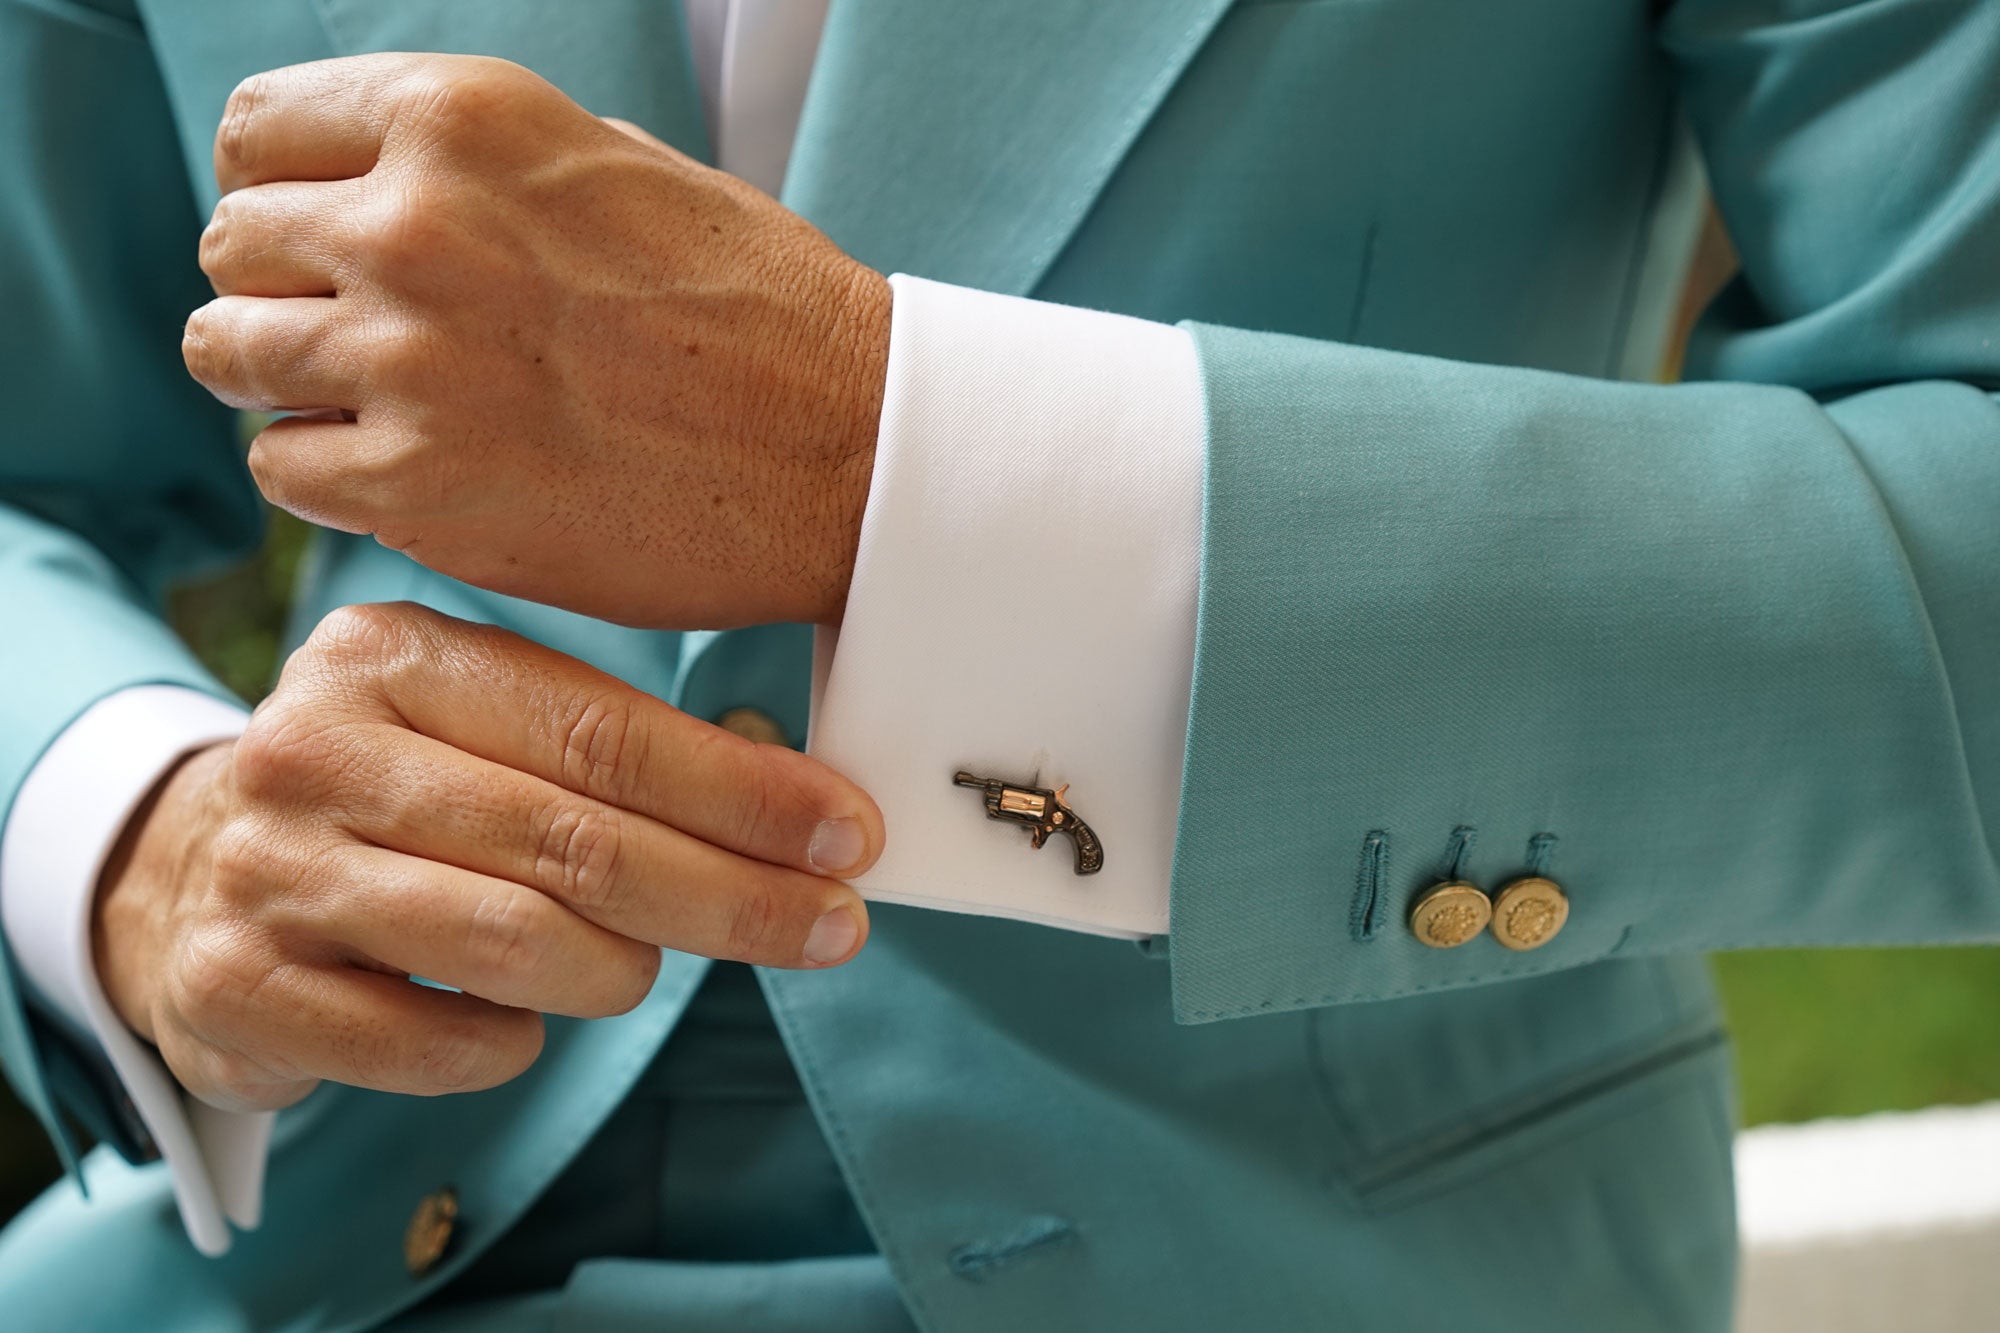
(965, 140)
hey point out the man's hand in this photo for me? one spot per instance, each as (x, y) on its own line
(425, 797)
(540, 354)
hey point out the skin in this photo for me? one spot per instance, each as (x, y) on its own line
(533, 841)
(546, 354)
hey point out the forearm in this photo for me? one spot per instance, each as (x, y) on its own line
(1710, 658)
(1727, 652)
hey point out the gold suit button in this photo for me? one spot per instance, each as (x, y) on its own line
(429, 1234)
(1529, 912)
(753, 724)
(1449, 914)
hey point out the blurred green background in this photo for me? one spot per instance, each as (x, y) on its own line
(1819, 1033)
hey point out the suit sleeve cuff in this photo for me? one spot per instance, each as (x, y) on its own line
(66, 818)
(1023, 604)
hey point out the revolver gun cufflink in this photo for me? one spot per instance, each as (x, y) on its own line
(1042, 811)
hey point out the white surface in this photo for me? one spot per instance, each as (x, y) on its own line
(1023, 604)
(1886, 1222)
(65, 820)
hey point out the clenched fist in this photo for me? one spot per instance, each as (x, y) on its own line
(536, 352)
(425, 797)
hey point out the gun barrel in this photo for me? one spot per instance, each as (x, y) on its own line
(965, 779)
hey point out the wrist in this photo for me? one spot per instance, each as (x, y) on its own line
(144, 876)
(860, 370)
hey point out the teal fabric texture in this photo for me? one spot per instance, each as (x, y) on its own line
(1720, 657)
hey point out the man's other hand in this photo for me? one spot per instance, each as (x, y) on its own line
(425, 797)
(536, 351)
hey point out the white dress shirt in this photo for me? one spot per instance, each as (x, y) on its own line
(1022, 606)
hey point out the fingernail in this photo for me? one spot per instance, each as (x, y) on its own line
(837, 845)
(833, 936)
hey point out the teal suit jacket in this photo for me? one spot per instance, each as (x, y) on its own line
(1723, 657)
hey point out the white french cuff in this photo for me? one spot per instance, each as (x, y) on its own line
(66, 819)
(1023, 605)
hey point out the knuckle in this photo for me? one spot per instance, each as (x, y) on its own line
(259, 759)
(581, 850)
(404, 365)
(464, 95)
(757, 927)
(409, 653)
(283, 485)
(598, 742)
(237, 857)
(506, 936)
(217, 978)
(437, 97)
(278, 747)
(235, 138)
(406, 228)
(399, 359)
(215, 250)
(368, 634)
(290, 750)
(211, 355)
(401, 813)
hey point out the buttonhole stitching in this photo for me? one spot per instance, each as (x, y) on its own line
(1362, 914)
(1458, 849)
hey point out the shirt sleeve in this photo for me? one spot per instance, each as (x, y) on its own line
(67, 817)
(1023, 605)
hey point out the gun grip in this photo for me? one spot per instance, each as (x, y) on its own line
(1089, 851)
